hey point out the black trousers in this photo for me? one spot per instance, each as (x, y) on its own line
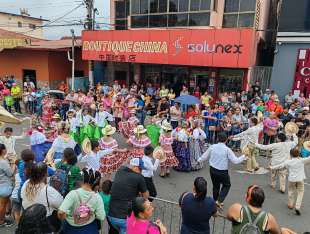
(150, 187)
(221, 183)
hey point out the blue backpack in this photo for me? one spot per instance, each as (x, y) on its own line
(59, 180)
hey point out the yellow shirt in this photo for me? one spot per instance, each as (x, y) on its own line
(205, 99)
(16, 91)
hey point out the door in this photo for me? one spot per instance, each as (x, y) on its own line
(31, 75)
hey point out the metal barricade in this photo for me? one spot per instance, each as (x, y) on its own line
(170, 214)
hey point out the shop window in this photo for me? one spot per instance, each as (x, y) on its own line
(139, 21)
(199, 19)
(119, 9)
(158, 20)
(178, 20)
(230, 80)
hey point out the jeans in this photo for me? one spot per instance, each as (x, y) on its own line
(221, 183)
(17, 105)
(141, 116)
(119, 224)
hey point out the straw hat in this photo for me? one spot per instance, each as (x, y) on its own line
(306, 145)
(159, 154)
(108, 130)
(49, 158)
(86, 146)
(291, 128)
(139, 129)
(166, 125)
(56, 116)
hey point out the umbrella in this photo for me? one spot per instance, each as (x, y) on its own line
(7, 117)
(187, 100)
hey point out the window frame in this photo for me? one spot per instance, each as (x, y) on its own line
(238, 13)
(19, 24)
(168, 13)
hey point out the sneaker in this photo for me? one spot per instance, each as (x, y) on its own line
(297, 212)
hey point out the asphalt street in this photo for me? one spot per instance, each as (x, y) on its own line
(170, 189)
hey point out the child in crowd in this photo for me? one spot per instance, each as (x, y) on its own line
(9, 141)
(150, 168)
(68, 164)
(296, 176)
(106, 196)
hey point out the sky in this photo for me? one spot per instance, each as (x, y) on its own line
(54, 9)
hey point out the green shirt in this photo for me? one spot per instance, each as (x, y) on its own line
(71, 202)
(106, 201)
(74, 174)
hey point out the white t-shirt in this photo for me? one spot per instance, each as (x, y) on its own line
(54, 197)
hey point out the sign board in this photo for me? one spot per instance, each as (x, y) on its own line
(198, 47)
(8, 43)
(302, 73)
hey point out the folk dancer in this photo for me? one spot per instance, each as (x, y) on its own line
(280, 152)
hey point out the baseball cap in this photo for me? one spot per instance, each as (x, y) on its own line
(137, 162)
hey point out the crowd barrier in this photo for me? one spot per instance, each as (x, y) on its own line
(169, 213)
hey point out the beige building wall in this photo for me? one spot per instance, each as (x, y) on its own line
(11, 23)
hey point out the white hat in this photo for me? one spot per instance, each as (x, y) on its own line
(306, 108)
(139, 129)
(108, 130)
(166, 125)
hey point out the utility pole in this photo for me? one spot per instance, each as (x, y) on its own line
(72, 60)
(90, 26)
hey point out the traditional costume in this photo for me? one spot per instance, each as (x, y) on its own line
(181, 148)
(47, 111)
(196, 147)
(166, 141)
(126, 127)
(112, 161)
(101, 119)
(139, 141)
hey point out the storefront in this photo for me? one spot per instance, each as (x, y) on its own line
(216, 60)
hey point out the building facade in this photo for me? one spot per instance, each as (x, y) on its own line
(22, 23)
(211, 44)
(292, 54)
(43, 62)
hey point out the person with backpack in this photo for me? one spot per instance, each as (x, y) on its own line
(67, 173)
(251, 218)
(197, 209)
(83, 208)
(36, 191)
(140, 219)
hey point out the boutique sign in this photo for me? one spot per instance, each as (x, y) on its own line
(203, 47)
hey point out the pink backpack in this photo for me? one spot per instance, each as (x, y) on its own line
(83, 212)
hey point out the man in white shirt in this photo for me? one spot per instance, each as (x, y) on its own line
(149, 170)
(219, 156)
(280, 152)
(248, 137)
(296, 177)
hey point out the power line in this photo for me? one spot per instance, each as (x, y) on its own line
(55, 20)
